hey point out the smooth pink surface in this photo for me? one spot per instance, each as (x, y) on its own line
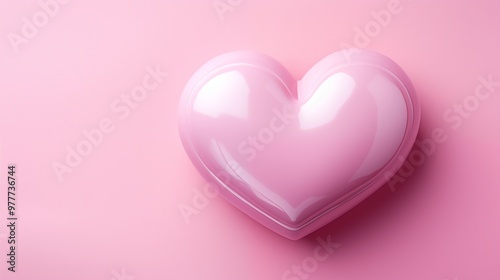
(296, 155)
(119, 208)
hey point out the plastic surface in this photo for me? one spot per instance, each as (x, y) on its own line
(296, 155)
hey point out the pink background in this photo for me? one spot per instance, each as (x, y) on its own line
(116, 215)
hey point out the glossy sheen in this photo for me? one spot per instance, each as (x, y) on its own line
(296, 155)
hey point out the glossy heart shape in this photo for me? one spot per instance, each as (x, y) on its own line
(296, 155)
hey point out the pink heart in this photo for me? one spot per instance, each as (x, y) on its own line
(296, 155)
